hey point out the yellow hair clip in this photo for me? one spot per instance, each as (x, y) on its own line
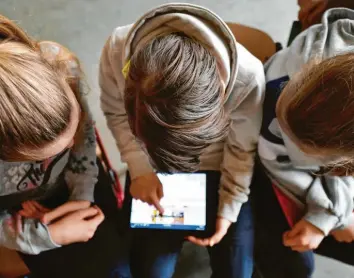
(125, 69)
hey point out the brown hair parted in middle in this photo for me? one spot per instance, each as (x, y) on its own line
(174, 99)
(316, 109)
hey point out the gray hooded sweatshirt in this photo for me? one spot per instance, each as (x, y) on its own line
(328, 200)
(242, 73)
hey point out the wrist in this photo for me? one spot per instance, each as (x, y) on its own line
(139, 166)
(322, 220)
(55, 236)
(220, 218)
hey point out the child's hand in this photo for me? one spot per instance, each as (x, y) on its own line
(222, 225)
(148, 188)
(32, 209)
(303, 237)
(78, 226)
(15, 223)
(61, 211)
(346, 234)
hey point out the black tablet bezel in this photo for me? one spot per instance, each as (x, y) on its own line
(212, 180)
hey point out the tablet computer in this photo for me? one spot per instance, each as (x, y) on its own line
(185, 202)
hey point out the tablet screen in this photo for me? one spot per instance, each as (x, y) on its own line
(184, 203)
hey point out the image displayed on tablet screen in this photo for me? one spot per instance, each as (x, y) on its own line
(184, 203)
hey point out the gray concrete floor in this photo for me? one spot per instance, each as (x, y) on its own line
(84, 25)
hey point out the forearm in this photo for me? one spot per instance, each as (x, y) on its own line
(82, 170)
(330, 202)
(130, 151)
(239, 150)
(235, 183)
(31, 238)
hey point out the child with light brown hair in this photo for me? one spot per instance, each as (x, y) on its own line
(180, 94)
(48, 166)
(304, 185)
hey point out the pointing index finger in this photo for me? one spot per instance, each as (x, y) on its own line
(156, 202)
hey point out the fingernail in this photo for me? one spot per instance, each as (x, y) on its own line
(211, 243)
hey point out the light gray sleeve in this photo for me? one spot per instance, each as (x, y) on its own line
(329, 199)
(82, 171)
(330, 202)
(239, 151)
(33, 238)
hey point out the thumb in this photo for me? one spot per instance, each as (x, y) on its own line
(96, 219)
(296, 230)
(222, 225)
(63, 210)
(86, 214)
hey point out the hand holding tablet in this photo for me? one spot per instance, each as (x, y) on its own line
(184, 204)
(222, 225)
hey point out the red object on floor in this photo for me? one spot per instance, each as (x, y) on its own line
(291, 210)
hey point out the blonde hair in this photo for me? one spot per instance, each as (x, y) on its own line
(34, 104)
(316, 109)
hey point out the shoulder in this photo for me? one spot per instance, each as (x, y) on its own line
(119, 35)
(250, 81)
(116, 43)
(112, 56)
(250, 69)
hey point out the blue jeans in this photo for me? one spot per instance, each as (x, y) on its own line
(154, 254)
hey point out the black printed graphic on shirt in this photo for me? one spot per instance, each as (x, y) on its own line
(28, 176)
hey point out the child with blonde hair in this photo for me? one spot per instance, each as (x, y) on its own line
(48, 166)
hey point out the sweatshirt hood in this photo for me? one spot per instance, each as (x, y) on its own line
(195, 22)
(334, 36)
